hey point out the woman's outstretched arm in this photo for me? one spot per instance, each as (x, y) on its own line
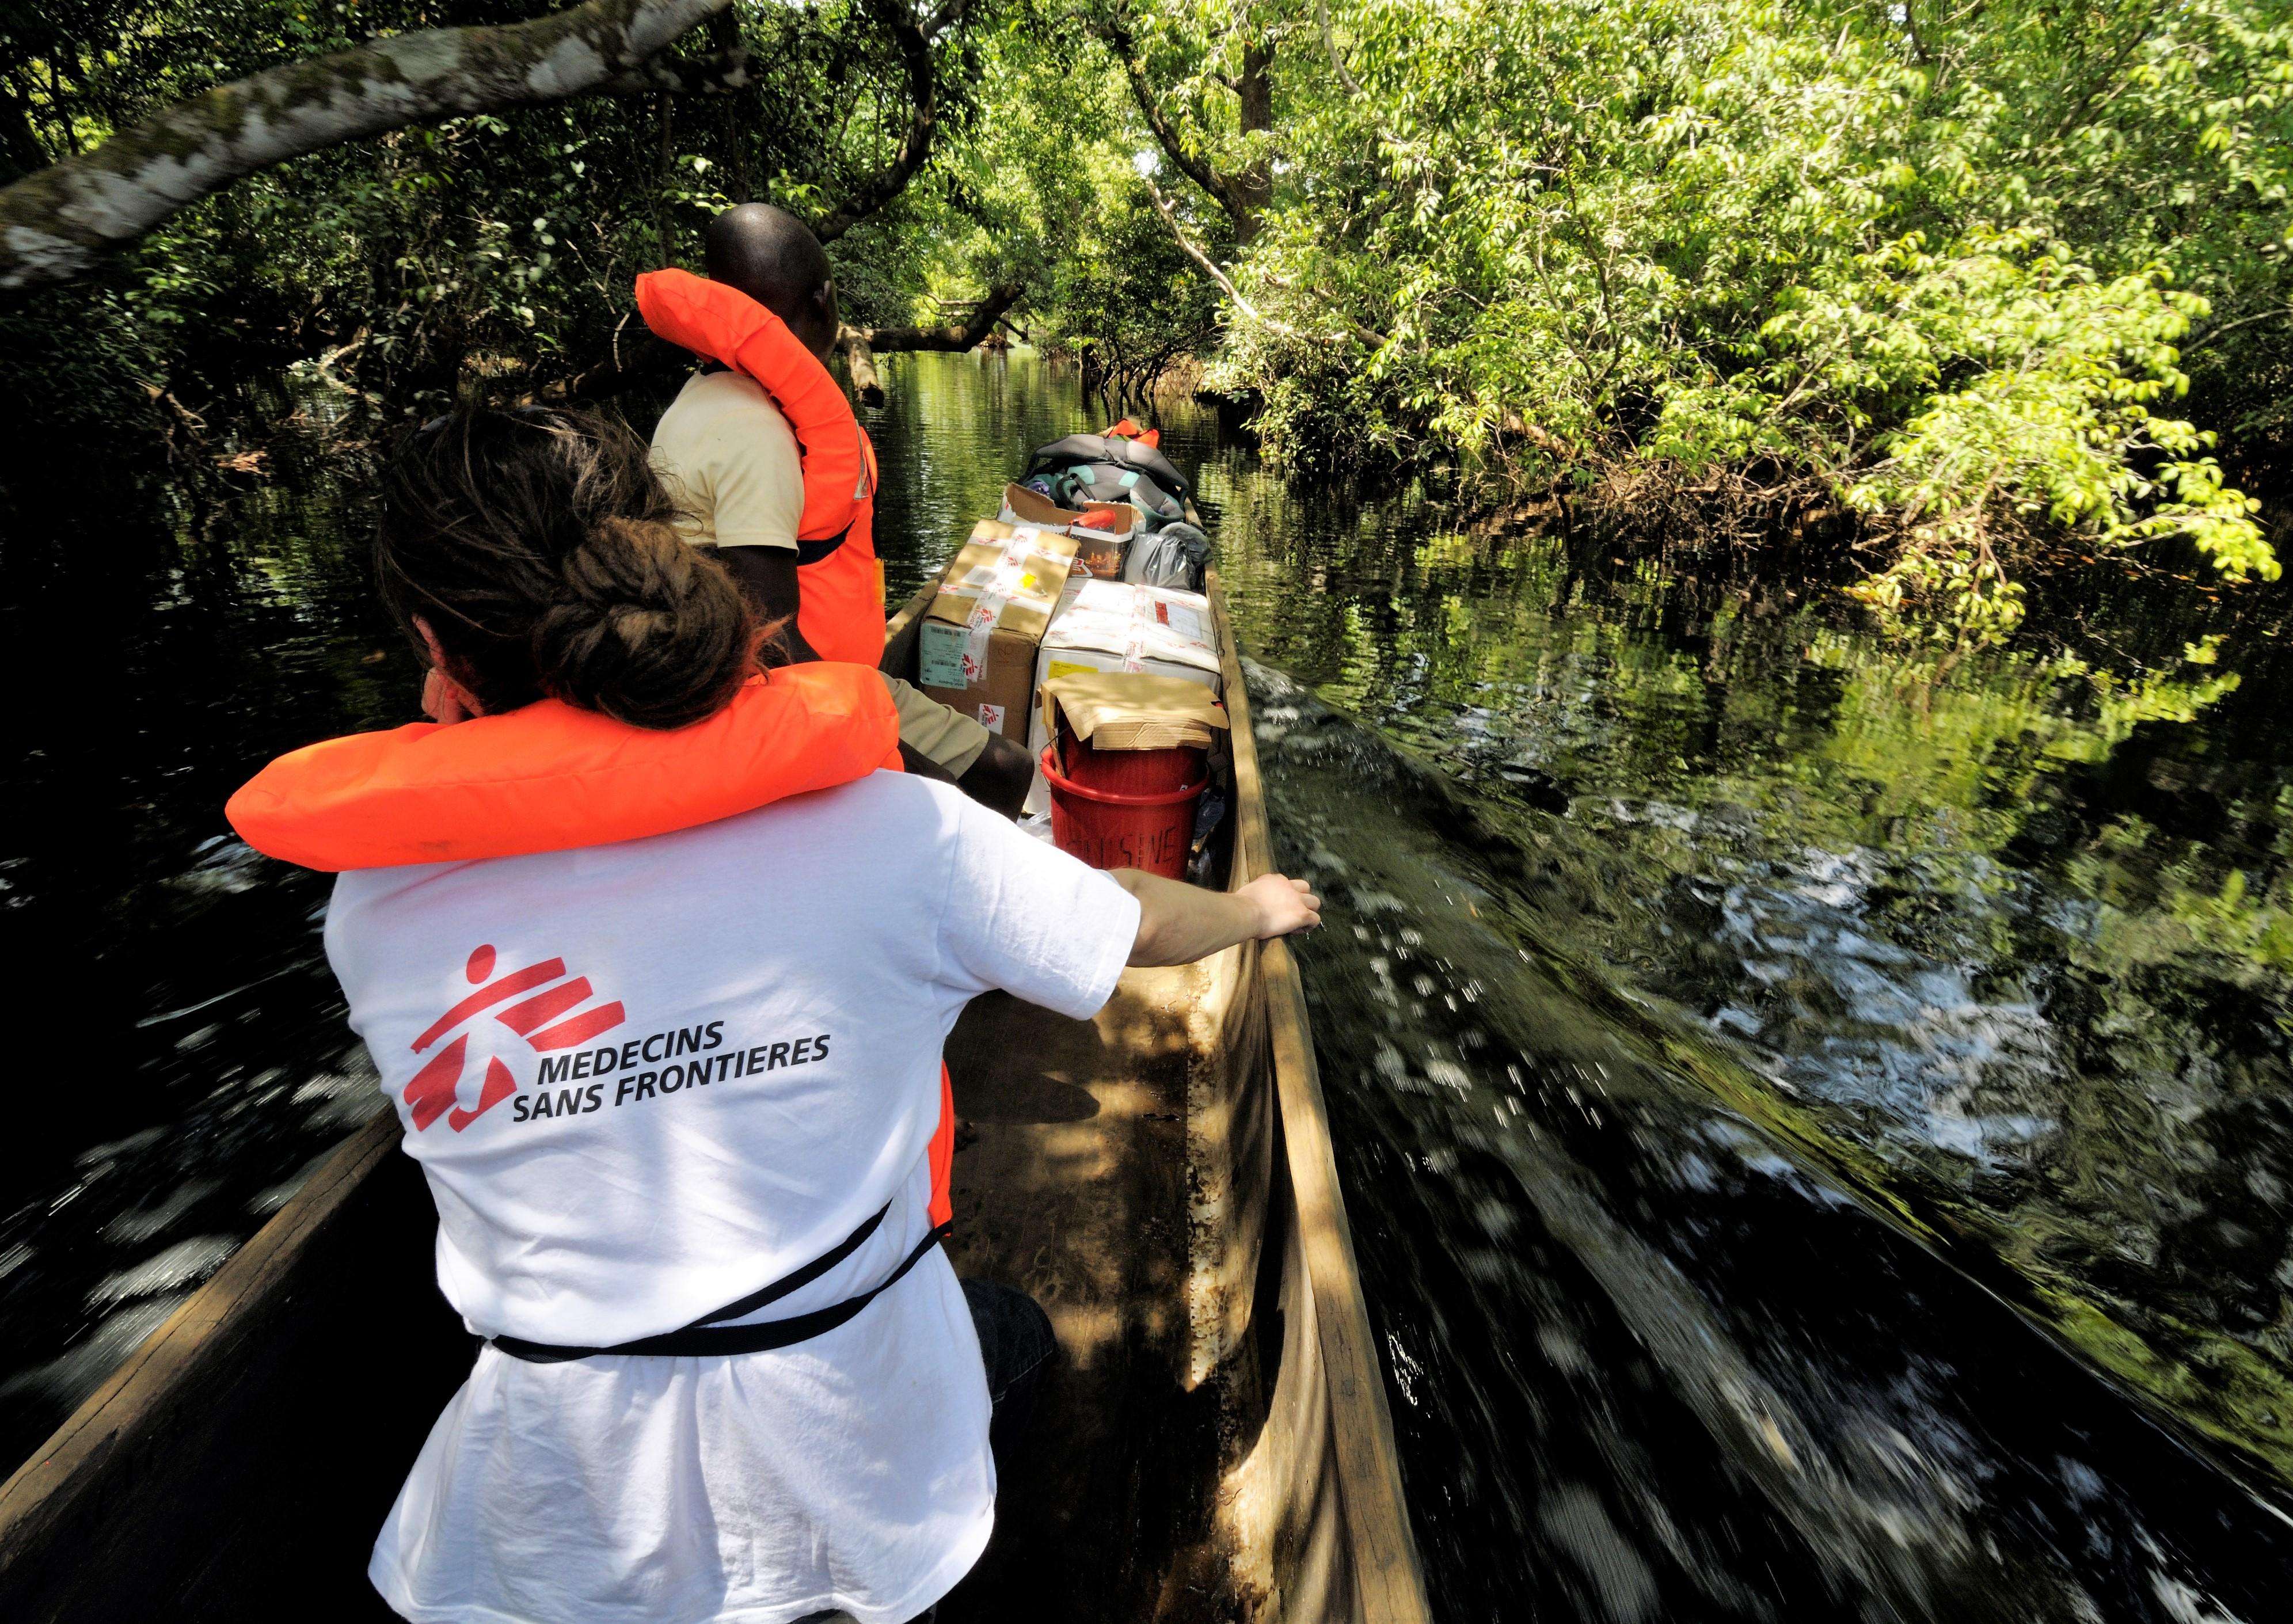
(1178, 923)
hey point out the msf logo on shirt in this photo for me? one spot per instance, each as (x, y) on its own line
(552, 1018)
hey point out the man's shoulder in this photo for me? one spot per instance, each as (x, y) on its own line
(716, 401)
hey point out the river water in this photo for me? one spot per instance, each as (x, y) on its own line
(1815, 1112)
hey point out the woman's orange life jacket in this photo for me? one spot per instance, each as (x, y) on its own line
(841, 605)
(552, 778)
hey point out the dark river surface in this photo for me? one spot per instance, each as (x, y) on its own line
(1817, 1113)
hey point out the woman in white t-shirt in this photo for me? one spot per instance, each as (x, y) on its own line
(673, 1093)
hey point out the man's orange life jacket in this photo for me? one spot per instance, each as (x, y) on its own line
(841, 607)
(552, 778)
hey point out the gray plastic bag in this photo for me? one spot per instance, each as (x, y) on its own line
(1175, 555)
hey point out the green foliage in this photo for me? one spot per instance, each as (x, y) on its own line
(495, 251)
(1941, 276)
(1043, 192)
(1990, 289)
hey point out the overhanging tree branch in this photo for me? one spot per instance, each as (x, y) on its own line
(1150, 108)
(861, 344)
(915, 41)
(1209, 266)
(1361, 334)
(1330, 44)
(57, 223)
(1243, 195)
(2218, 334)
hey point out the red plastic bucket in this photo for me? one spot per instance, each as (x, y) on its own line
(1108, 829)
(1128, 772)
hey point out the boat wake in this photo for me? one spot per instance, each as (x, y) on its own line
(1662, 1344)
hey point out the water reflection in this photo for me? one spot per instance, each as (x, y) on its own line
(1652, 1359)
(178, 1046)
(2008, 938)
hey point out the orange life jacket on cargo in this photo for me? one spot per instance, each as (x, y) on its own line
(841, 607)
(494, 786)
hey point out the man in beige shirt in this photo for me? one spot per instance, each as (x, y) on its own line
(731, 460)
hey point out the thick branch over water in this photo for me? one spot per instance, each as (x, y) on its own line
(915, 41)
(56, 224)
(860, 344)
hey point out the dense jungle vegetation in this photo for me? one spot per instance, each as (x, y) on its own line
(1980, 289)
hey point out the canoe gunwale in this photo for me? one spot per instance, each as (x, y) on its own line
(1388, 1585)
(1304, 1214)
(44, 1492)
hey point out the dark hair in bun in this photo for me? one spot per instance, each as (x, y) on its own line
(538, 546)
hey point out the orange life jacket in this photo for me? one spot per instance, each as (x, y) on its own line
(841, 607)
(496, 786)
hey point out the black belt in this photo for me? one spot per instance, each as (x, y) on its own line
(708, 1335)
(816, 552)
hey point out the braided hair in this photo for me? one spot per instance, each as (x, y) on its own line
(538, 546)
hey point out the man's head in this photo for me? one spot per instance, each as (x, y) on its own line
(768, 255)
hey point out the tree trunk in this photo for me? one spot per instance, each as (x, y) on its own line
(860, 364)
(57, 223)
(21, 149)
(1252, 188)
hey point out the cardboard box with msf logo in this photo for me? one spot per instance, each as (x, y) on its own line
(1102, 531)
(975, 650)
(1116, 626)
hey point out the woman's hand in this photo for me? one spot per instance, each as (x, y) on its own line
(1178, 923)
(1284, 905)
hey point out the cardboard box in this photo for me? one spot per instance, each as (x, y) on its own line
(1099, 548)
(976, 649)
(1112, 626)
(1121, 711)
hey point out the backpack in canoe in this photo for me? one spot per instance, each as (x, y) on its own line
(1115, 467)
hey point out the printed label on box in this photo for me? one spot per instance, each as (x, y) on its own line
(1186, 621)
(1067, 668)
(991, 717)
(940, 649)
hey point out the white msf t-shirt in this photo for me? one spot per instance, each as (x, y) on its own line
(645, 1080)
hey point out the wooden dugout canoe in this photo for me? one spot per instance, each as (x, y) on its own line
(1214, 1445)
